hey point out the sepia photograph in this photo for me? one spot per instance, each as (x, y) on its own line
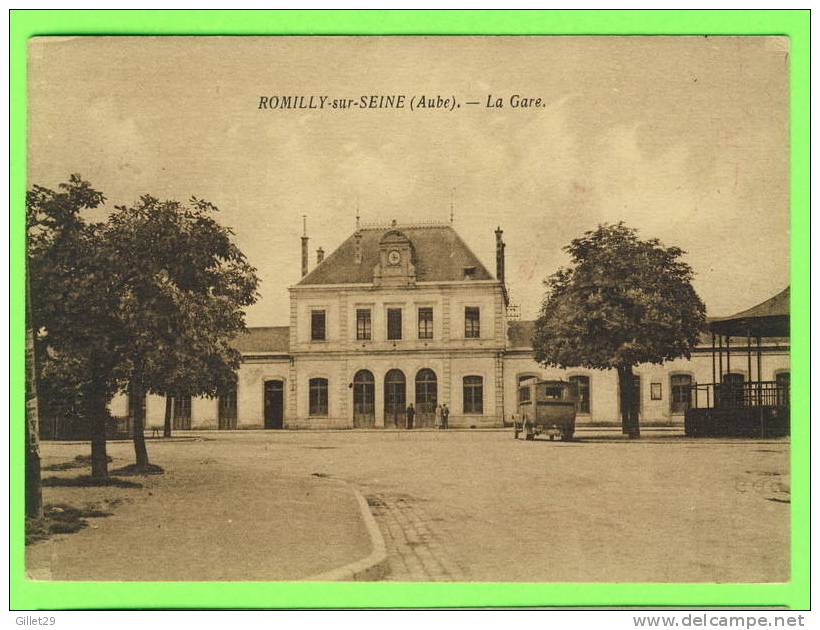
(452, 309)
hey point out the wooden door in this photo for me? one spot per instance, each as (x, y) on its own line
(426, 398)
(227, 410)
(394, 399)
(274, 404)
(364, 399)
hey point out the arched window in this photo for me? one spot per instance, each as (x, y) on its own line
(526, 377)
(317, 404)
(582, 383)
(680, 386)
(473, 394)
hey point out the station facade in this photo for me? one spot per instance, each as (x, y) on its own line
(408, 314)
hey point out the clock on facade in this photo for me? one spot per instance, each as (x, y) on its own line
(393, 257)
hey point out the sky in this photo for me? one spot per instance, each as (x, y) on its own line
(684, 138)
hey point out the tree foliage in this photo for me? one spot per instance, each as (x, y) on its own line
(147, 300)
(73, 309)
(183, 294)
(622, 301)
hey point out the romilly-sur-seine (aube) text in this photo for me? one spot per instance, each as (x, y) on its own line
(412, 102)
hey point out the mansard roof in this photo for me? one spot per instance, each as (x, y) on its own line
(439, 256)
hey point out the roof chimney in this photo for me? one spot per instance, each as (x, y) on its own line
(357, 247)
(499, 255)
(320, 255)
(304, 246)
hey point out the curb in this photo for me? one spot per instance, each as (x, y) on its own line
(369, 569)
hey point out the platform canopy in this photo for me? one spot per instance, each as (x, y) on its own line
(767, 319)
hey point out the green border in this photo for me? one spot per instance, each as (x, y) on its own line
(25, 594)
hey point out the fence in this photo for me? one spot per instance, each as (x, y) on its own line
(738, 395)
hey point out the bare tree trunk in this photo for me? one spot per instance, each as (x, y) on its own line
(629, 413)
(33, 490)
(98, 412)
(138, 422)
(169, 409)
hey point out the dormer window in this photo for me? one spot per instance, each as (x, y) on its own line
(469, 273)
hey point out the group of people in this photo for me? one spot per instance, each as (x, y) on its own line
(442, 416)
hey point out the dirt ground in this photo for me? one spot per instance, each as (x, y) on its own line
(204, 519)
(458, 505)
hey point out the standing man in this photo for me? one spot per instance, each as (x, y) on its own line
(445, 417)
(411, 413)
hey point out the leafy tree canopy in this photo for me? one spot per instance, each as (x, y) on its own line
(621, 301)
(183, 296)
(74, 310)
(156, 291)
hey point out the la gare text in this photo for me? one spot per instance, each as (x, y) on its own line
(399, 101)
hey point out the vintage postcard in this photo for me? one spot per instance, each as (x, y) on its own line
(414, 309)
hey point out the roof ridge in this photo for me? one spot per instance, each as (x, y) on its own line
(415, 225)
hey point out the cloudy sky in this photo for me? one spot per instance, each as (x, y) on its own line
(683, 138)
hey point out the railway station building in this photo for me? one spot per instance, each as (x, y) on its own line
(402, 314)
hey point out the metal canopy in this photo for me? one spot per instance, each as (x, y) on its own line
(767, 319)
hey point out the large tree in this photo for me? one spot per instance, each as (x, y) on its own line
(146, 301)
(73, 294)
(621, 302)
(182, 299)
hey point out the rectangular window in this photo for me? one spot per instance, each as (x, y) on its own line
(317, 404)
(680, 388)
(317, 325)
(472, 322)
(363, 325)
(393, 323)
(473, 394)
(425, 323)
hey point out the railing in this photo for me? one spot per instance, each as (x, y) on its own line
(738, 395)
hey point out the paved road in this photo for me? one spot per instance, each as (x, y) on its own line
(476, 505)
